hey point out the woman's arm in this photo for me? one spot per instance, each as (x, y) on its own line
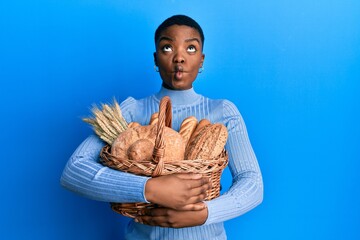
(85, 175)
(246, 191)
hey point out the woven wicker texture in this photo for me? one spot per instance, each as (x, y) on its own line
(211, 168)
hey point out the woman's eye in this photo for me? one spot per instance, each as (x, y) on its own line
(167, 48)
(191, 49)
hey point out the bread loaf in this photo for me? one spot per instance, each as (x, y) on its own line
(203, 122)
(209, 143)
(133, 124)
(154, 118)
(138, 144)
(141, 149)
(123, 142)
(187, 128)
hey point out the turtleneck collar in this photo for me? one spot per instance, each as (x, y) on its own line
(178, 97)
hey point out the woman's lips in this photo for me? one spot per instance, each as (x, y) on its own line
(178, 71)
(178, 75)
(178, 68)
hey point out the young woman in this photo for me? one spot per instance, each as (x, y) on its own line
(179, 58)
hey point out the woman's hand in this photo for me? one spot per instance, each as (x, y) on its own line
(166, 217)
(181, 191)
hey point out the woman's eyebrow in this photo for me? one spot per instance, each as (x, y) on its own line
(193, 39)
(165, 38)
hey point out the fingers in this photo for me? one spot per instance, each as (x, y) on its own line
(156, 212)
(189, 175)
(177, 190)
(195, 191)
(153, 221)
(165, 217)
(155, 217)
(195, 194)
(160, 221)
(196, 183)
(194, 207)
(195, 198)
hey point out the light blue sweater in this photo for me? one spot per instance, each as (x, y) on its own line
(84, 174)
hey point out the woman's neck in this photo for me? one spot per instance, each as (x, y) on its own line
(178, 97)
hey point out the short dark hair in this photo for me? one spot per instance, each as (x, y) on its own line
(179, 20)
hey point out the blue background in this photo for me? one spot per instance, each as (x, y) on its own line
(291, 67)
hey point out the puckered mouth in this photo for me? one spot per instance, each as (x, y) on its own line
(178, 68)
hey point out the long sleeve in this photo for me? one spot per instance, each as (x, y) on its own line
(85, 175)
(246, 191)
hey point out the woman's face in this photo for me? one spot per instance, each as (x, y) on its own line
(179, 56)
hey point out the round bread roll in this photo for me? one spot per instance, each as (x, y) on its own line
(141, 149)
(187, 128)
(122, 143)
(138, 144)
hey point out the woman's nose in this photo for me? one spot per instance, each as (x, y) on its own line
(179, 58)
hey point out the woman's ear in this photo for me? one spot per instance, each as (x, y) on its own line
(202, 60)
(155, 59)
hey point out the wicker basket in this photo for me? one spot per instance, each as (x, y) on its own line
(212, 168)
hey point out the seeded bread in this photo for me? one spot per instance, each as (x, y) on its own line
(209, 143)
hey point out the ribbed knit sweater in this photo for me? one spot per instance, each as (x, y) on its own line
(84, 174)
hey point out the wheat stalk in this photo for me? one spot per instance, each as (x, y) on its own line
(107, 122)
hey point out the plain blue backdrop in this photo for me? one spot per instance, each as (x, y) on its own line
(291, 67)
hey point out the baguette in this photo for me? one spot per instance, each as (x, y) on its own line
(133, 124)
(203, 122)
(187, 128)
(154, 118)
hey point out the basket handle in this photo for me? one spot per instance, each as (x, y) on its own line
(165, 119)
